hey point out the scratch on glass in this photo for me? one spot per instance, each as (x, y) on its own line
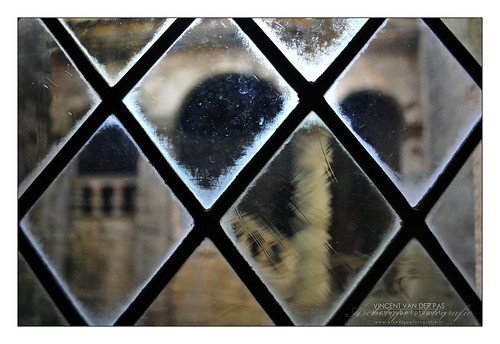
(279, 24)
(328, 165)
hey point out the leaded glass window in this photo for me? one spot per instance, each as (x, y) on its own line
(250, 171)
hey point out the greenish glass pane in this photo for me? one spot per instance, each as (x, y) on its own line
(470, 32)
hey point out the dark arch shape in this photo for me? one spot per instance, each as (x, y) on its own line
(378, 119)
(109, 151)
(219, 119)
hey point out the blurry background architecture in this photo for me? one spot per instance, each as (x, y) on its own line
(109, 221)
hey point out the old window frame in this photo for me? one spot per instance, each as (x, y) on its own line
(207, 221)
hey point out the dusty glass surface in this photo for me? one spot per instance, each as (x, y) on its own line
(209, 103)
(310, 223)
(413, 292)
(106, 224)
(35, 307)
(311, 44)
(53, 98)
(409, 102)
(205, 291)
(470, 32)
(456, 220)
(113, 45)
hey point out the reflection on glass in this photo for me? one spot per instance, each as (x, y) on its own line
(210, 102)
(470, 32)
(456, 219)
(205, 291)
(106, 224)
(413, 292)
(53, 96)
(113, 45)
(409, 102)
(311, 44)
(310, 223)
(35, 308)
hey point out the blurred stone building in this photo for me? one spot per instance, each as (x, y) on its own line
(106, 228)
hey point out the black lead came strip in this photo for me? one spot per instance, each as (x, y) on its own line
(207, 221)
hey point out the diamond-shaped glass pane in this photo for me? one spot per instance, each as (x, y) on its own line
(311, 44)
(456, 219)
(106, 224)
(53, 97)
(413, 292)
(310, 223)
(113, 45)
(35, 307)
(409, 102)
(470, 32)
(205, 291)
(209, 103)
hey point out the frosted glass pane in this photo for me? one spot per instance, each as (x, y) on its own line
(310, 223)
(53, 98)
(113, 45)
(35, 307)
(311, 44)
(106, 224)
(456, 220)
(205, 291)
(470, 32)
(409, 102)
(210, 102)
(413, 292)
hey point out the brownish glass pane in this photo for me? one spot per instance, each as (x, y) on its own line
(413, 292)
(210, 102)
(113, 45)
(205, 291)
(311, 44)
(310, 223)
(106, 224)
(409, 102)
(53, 98)
(34, 305)
(456, 220)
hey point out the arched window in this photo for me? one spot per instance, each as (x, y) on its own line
(220, 116)
(377, 119)
(121, 159)
(107, 205)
